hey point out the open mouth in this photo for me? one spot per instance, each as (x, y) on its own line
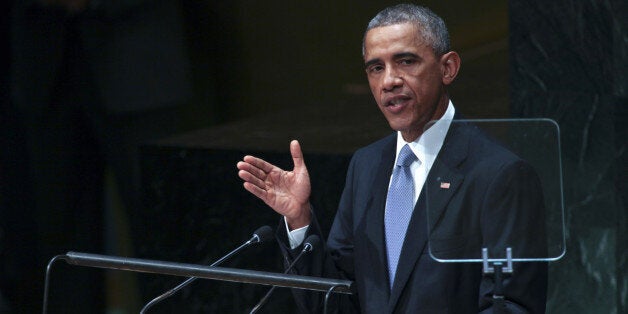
(397, 102)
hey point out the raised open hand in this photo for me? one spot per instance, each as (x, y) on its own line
(286, 192)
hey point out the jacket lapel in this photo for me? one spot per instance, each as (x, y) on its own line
(444, 178)
(431, 204)
(375, 217)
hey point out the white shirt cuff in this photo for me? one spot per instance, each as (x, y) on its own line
(296, 236)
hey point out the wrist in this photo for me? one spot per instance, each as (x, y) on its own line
(301, 220)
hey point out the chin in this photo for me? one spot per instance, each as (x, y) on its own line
(398, 128)
(399, 125)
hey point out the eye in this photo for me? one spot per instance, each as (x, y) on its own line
(407, 61)
(375, 68)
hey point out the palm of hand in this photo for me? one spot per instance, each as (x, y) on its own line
(287, 191)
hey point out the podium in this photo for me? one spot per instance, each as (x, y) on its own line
(207, 272)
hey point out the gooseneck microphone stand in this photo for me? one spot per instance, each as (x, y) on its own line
(260, 235)
(310, 244)
(174, 290)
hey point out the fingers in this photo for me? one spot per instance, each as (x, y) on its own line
(255, 190)
(258, 173)
(254, 177)
(255, 172)
(259, 163)
(254, 180)
(297, 156)
(252, 169)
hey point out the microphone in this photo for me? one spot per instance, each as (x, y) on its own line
(311, 242)
(262, 234)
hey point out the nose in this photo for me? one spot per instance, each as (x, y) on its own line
(392, 79)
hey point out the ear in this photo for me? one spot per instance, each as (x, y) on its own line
(450, 64)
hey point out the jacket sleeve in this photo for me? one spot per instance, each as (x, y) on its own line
(335, 261)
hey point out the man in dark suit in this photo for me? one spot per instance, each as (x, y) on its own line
(442, 180)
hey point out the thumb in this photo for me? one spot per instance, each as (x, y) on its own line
(297, 156)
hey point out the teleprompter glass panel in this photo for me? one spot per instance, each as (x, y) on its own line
(495, 185)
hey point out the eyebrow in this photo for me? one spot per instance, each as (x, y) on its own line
(371, 62)
(402, 55)
(396, 56)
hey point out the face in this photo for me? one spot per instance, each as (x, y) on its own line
(406, 78)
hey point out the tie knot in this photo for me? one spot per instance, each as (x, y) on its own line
(406, 156)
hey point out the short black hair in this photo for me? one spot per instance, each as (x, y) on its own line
(431, 26)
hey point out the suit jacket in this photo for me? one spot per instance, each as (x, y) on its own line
(493, 200)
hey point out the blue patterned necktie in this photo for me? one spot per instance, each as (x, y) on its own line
(399, 207)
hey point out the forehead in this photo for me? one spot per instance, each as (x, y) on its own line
(392, 38)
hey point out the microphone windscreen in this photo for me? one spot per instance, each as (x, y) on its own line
(312, 240)
(264, 233)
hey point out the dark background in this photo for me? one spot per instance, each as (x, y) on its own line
(263, 73)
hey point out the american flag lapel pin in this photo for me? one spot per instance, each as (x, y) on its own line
(444, 185)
